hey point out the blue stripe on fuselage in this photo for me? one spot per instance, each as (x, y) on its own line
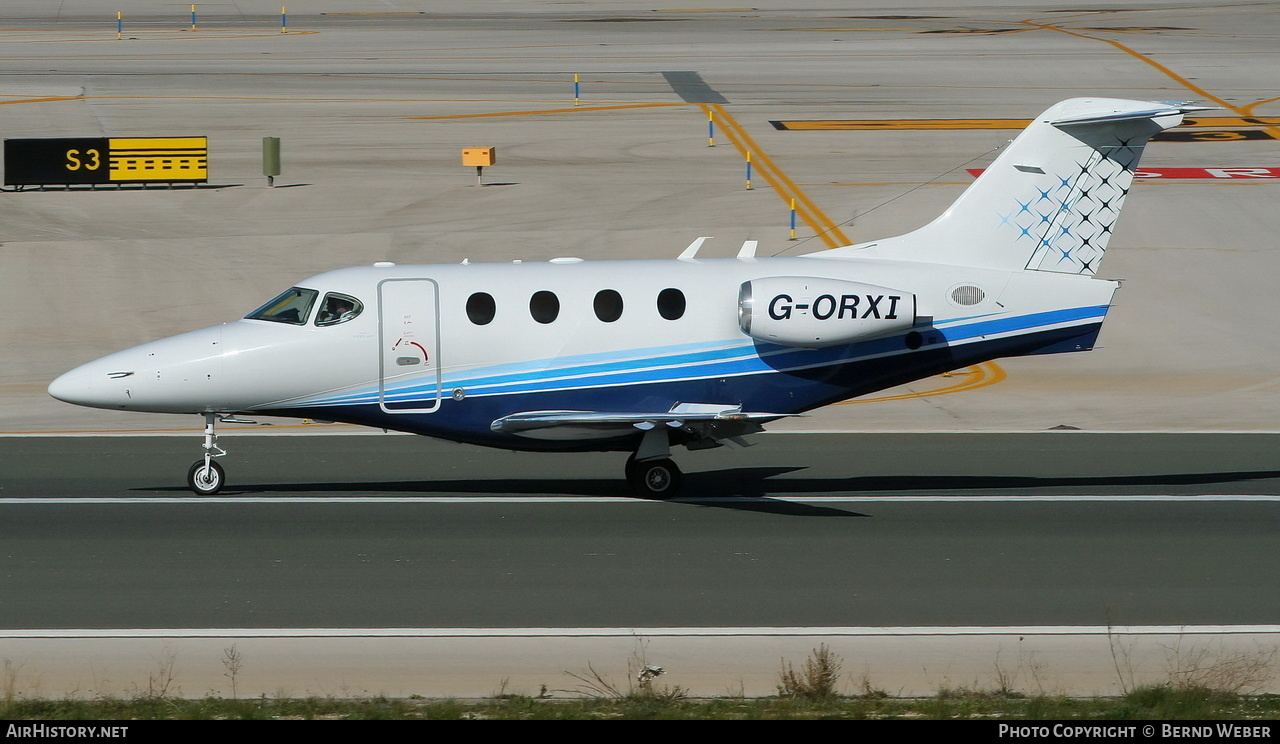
(774, 391)
(727, 359)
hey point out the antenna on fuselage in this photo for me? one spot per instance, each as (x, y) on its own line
(748, 249)
(692, 250)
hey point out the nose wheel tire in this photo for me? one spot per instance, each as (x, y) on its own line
(206, 480)
(654, 479)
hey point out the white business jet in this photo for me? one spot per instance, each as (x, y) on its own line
(642, 356)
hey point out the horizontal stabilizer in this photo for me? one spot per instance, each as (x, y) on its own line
(1168, 109)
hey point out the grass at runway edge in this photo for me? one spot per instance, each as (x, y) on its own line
(1148, 703)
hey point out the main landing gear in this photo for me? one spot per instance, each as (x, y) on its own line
(650, 471)
(207, 477)
(653, 479)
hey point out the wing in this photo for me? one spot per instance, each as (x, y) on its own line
(704, 421)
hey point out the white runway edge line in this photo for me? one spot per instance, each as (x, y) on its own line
(869, 632)
(549, 500)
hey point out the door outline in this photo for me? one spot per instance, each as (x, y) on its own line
(387, 331)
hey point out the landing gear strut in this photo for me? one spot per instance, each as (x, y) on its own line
(650, 471)
(207, 477)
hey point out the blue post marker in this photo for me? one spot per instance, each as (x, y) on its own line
(284, 19)
(793, 218)
(711, 128)
(193, 17)
(119, 25)
(576, 89)
(748, 170)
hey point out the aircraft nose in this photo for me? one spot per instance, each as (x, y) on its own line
(94, 386)
(70, 387)
(179, 374)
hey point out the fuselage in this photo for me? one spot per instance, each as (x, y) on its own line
(447, 350)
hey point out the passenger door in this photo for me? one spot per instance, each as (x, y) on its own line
(409, 346)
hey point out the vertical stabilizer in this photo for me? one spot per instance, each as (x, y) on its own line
(1050, 201)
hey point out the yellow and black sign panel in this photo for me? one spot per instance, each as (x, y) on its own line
(159, 159)
(94, 160)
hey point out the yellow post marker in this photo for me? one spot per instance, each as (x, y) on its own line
(576, 89)
(193, 17)
(479, 157)
(284, 19)
(748, 170)
(711, 127)
(119, 25)
(793, 218)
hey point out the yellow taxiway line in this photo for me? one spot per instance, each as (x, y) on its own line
(569, 110)
(43, 100)
(977, 376)
(828, 231)
(1241, 110)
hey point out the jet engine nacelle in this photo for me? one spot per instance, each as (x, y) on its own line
(813, 312)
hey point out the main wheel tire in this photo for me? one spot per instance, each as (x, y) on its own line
(654, 479)
(206, 481)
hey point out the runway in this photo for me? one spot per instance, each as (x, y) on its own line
(800, 530)
(363, 552)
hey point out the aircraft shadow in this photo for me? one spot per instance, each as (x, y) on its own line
(755, 489)
(1097, 485)
(710, 489)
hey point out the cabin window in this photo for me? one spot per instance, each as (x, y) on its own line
(481, 308)
(671, 304)
(544, 306)
(337, 308)
(608, 305)
(291, 306)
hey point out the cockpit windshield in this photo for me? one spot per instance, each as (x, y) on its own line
(292, 306)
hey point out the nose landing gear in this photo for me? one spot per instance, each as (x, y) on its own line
(207, 477)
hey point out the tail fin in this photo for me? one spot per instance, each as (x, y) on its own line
(1050, 201)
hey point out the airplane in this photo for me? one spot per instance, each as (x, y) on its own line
(642, 356)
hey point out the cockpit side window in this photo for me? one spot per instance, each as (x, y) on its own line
(292, 306)
(337, 308)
